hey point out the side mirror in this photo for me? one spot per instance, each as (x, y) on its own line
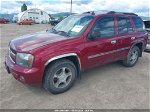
(94, 34)
(90, 37)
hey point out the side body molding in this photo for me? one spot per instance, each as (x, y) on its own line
(63, 56)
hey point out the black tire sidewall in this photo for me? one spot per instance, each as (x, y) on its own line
(48, 83)
(129, 54)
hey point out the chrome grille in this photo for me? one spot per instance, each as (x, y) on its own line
(12, 55)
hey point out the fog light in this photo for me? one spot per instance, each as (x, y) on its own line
(22, 78)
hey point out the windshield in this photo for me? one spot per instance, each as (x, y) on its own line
(72, 26)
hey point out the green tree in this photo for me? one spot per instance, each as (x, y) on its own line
(23, 7)
(61, 17)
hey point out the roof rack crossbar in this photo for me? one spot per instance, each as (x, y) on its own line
(113, 12)
(89, 12)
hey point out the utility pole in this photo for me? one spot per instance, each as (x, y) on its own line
(71, 7)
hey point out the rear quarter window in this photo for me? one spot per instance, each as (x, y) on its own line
(138, 22)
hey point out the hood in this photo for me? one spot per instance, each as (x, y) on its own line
(29, 42)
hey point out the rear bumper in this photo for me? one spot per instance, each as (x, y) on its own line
(32, 76)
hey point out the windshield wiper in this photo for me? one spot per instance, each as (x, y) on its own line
(52, 30)
(59, 32)
(63, 33)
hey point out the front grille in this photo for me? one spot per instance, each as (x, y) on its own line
(12, 55)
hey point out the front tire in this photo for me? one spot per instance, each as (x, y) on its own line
(60, 76)
(132, 57)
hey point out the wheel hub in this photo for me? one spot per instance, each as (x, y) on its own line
(134, 56)
(62, 77)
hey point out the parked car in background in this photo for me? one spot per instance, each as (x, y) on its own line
(54, 22)
(147, 25)
(4, 20)
(57, 57)
(25, 22)
(45, 22)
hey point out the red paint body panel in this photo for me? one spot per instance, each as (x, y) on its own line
(32, 76)
(45, 45)
(29, 42)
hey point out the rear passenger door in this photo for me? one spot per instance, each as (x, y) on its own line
(124, 37)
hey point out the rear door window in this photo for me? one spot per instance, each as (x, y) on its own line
(124, 25)
(138, 22)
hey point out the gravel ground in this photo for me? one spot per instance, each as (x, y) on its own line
(111, 86)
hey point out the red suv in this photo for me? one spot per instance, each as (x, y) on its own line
(55, 58)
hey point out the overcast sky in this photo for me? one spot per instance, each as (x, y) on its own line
(142, 7)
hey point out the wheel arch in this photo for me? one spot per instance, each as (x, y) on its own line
(140, 45)
(70, 56)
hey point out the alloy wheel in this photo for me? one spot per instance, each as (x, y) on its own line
(62, 77)
(133, 56)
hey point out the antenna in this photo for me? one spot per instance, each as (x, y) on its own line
(71, 7)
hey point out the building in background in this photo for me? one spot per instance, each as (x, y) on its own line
(15, 18)
(37, 15)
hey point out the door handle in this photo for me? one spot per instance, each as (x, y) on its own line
(113, 42)
(132, 38)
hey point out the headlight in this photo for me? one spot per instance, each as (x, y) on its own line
(25, 60)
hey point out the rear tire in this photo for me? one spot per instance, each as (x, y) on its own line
(60, 76)
(132, 57)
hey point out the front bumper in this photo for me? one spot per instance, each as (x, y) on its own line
(32, 76)
(147, 47)
(148, 44)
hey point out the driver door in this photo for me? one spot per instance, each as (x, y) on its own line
(101, 43)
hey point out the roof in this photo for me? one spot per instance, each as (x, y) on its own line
(108, 12)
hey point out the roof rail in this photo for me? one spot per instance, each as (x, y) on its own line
(96, 12)
(108, 12)
(89, 12)
(113, 12)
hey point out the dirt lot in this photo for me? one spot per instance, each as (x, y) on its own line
(111, 86)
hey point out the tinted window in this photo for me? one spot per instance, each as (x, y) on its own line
(147, 24)
(124, 25)
(105, 27)
(139, 26)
